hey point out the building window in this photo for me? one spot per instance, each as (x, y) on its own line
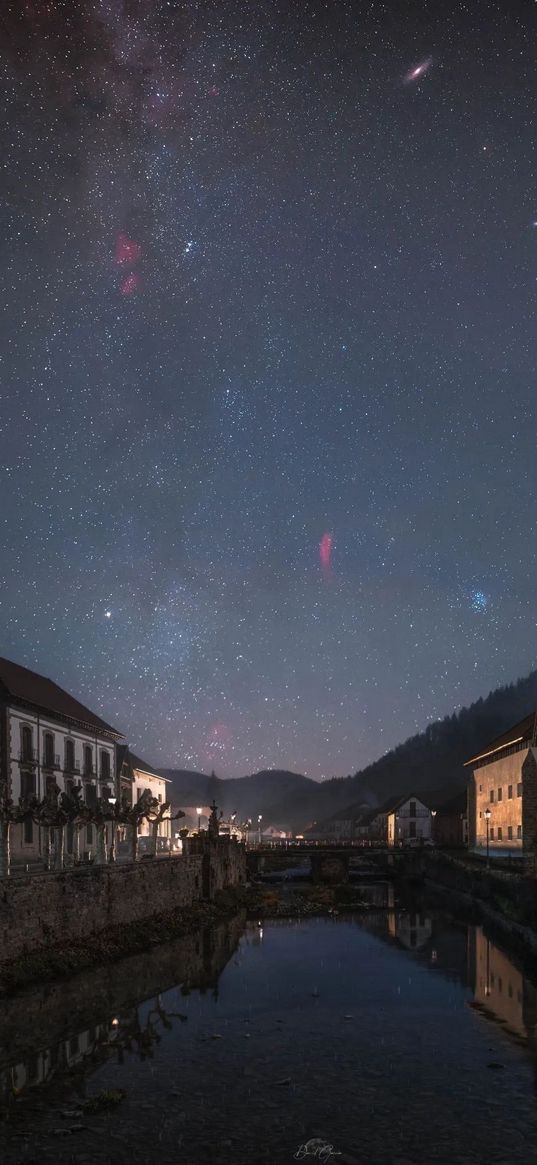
(89, 834)
(105, 766)
(519, 789)
(91, 795)
(69, 763)
(519, 831)
(480, 788)
(28, 831)
(88, 761)
(27, 743)
(500, 834)
(27, 786)
(509, 832)
(492, 833)
(509, 792)
(48, 750)
(500, 794)
(412, 809)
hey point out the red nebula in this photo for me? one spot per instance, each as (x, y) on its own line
(128, 251)
(131, 284)
(325, 551)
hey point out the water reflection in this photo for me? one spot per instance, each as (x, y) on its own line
(501, 991)
(43, 1036)
(115, 1024)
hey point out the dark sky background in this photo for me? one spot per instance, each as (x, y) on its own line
(269, 367)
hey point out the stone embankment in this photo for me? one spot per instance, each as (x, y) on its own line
(506, 898)
(58, 923)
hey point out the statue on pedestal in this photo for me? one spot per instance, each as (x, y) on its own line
(213, 827)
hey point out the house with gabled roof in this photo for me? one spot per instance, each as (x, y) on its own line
(137, 776)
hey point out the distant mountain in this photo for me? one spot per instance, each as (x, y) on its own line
(247, 796)
(430, 760)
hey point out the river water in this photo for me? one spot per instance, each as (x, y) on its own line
(395, 1037)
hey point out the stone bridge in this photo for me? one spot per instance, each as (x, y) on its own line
(332, 863)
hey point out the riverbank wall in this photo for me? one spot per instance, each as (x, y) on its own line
(507, 898)
(100, 908)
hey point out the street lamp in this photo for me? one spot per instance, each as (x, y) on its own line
(433, 815)
(198, 811)
(487, 819)
(113, 801)
(259, 819)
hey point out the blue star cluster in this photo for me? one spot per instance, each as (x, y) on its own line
(268, 367)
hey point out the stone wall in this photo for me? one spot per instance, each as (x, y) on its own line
(41, 912)
(509, 894)
(529, 809)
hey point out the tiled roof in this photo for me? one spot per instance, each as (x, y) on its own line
(143, 767)
(521, 732)
(20, 683)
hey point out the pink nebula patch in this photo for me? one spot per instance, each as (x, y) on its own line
(131, 284)
(325, 551)
(128, 251)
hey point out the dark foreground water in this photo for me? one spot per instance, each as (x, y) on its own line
(397, 1037)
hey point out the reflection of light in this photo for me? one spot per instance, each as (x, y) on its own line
(261, 933)
(434, 956)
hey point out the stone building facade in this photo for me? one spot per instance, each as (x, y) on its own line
(503, 790)
(48, 737)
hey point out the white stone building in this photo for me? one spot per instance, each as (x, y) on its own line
(146, 777)
(404, 819)
(48, 737)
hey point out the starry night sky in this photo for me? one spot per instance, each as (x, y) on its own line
(269, 367)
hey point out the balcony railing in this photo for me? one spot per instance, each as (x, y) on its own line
(28, 756)
(51, 761)
(72, 768)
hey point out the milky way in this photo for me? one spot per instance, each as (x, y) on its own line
(268, 368)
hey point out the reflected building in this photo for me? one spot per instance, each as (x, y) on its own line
(413, 930)
(43, 1042)
(501, 991)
